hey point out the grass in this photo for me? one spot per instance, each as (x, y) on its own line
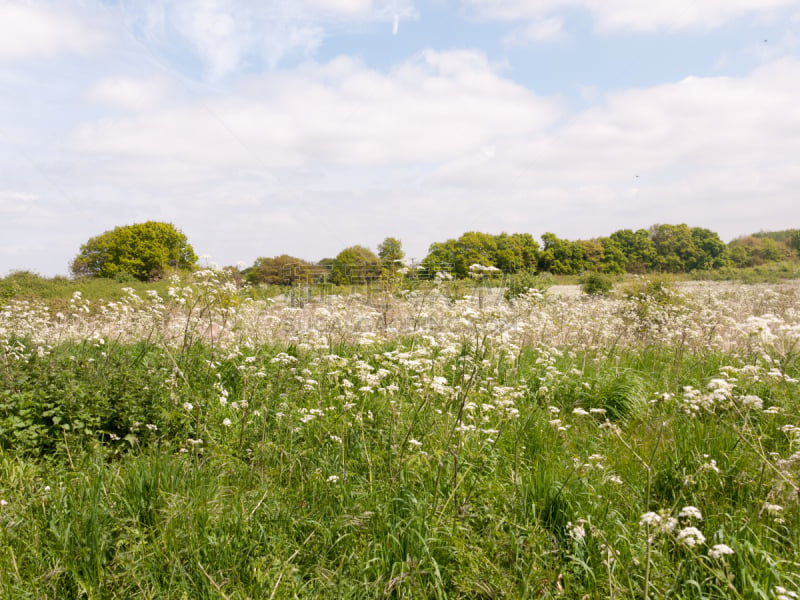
(446, 464)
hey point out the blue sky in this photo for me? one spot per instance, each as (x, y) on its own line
(304, 126)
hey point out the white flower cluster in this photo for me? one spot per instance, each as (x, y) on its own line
(682, 530)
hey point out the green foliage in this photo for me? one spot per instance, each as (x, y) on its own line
(764, 247)
(614, 260)
(661, 290)
(144, 251)
(522, 283)
(662, 248)
(390, 250)
(471, 248)
(508, 253)
(282, 270)
(793, 240)
(638, 248)
(7, 290)
(129, 477)
(58, 290)
(561, 257)
(596, 284)
(712, 251)
(516, 253)
(355, 264)
(676, 250)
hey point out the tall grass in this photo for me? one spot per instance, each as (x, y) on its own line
(204, 457)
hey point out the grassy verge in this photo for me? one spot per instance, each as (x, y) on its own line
(406, 469)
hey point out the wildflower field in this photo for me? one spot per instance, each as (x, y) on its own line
(198, 444)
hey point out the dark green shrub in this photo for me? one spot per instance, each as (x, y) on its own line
(596, 284)
(520, 283)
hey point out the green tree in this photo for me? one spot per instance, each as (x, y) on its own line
(560, 257)
(794, 240)
(390, 251)
(638, 249)
(593, 254)
(355, 264)
(713, 252)
(518, 252)
(675, 248)
(471, 248)
(280, 270)
(614, 260)
(143, 250)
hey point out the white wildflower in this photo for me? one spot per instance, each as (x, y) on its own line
(650, 519)
(720, 550)
(691, 537)
(690, 512)
(576, 532)
(752, 402)
(773, 509)
(784, 594)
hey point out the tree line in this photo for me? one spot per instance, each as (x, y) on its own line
(148, 250)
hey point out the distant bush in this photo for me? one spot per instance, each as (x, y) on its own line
(521, 283)
(144, 251)
(596, 284)
(656, 289)
(7, 290)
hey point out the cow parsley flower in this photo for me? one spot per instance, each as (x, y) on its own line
(650, 519)
(691, 537)
(784, 594)
(690, 512)
(719, 550)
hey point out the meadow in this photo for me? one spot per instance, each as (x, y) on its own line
(191, 441)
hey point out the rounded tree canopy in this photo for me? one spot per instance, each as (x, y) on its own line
(355, 264)
(143, 250)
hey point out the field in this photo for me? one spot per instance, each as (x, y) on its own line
(189, 442)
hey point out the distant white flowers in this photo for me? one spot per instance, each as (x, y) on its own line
(687, 535)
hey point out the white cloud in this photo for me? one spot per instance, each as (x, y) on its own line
(447, 144)
(635, 15)
(342, 6)
(432, 108)
(231, 35)
(541, 30)
(15, 202)
(128, 93)
(38, 30)
(695, 148)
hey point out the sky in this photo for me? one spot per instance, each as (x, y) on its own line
(266, 127)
